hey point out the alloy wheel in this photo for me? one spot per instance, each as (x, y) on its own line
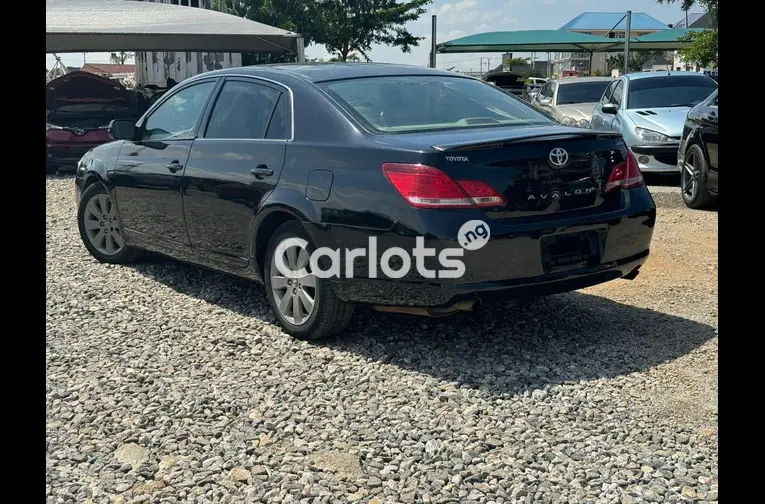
(102, 226)
(294, 293)
(689, 179)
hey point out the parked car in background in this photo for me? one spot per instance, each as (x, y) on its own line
(511, 82)
(649, 110)
(78, 109)
(248, 170)
(570, 100)
(697, 155)
(530, 91)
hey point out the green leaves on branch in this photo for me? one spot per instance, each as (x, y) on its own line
(344, 27)
(703, 51)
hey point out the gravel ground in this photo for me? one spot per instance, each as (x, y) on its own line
(167, 383)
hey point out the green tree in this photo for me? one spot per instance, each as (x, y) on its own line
(348, 26)
(351, 57)
(703, 49)
(294, 15)
(637, 60)
(119, 58)
(515, 62)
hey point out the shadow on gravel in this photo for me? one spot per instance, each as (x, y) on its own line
(500, 349)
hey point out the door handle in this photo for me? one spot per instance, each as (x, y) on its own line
(262, 171)
(174, 166)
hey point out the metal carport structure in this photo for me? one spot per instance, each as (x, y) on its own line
(563, 41)
(664, 40)
(529, 41)
(118, 25)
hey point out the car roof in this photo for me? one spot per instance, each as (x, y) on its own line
(572, 80)
(649, 75)
(319, 72)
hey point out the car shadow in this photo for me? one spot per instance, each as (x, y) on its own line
(500, 349)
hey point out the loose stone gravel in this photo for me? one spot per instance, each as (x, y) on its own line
(168, 383)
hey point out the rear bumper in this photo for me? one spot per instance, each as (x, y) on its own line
(656, 159)
(396, 293)
(515, 263)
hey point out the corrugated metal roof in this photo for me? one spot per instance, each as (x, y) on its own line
(107, 68)
(607, 20)
(116, 25)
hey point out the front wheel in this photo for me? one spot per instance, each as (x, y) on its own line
(100, 227)
(693, 179)
(305, 304)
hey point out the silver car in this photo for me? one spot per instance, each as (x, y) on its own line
(570, 100)
(649, 110)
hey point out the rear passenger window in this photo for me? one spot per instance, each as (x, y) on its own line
(280, 126)
(242, 110)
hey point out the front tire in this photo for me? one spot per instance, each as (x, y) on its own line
(101, 229)
(305, 305)
(693, 179)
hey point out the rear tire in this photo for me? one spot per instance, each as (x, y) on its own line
(50, 168)
(693, 179)
(306, 306)
(101, 229)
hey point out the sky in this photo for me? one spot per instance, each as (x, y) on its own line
(459, 18)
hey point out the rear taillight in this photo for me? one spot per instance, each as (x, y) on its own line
(625, 175)
(423, 186)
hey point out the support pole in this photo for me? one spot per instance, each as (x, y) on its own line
(433, 43)
(627, 42)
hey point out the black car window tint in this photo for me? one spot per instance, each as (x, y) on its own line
(242, 110)
(607, 94)
(280, 126)
(177, 117)
(616, 98)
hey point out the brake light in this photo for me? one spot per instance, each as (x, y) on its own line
(423, 186)
(625, 175)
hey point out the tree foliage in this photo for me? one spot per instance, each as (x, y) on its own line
(342, 26)
(637, 60)
(355, 25)
(515, 62)
(703, 51)
(120, 58)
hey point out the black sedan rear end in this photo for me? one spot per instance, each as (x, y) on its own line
(409, 189)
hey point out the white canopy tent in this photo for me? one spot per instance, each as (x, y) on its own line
(127, 25)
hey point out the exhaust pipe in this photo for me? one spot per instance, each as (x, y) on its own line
(632, 274)
(460, 306)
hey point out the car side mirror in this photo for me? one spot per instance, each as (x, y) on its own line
(122, 129)
(609, 108)
(545, 102)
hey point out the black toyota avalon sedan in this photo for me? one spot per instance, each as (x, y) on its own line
(408, 189)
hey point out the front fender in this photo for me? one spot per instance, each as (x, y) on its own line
(99, 163)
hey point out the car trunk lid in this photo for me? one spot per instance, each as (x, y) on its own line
(538, 171)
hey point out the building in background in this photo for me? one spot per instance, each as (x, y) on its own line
(155, 68)
(602, 24)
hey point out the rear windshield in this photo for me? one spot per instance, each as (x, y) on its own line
(403, 104)
(581, 92)
(669, 91)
